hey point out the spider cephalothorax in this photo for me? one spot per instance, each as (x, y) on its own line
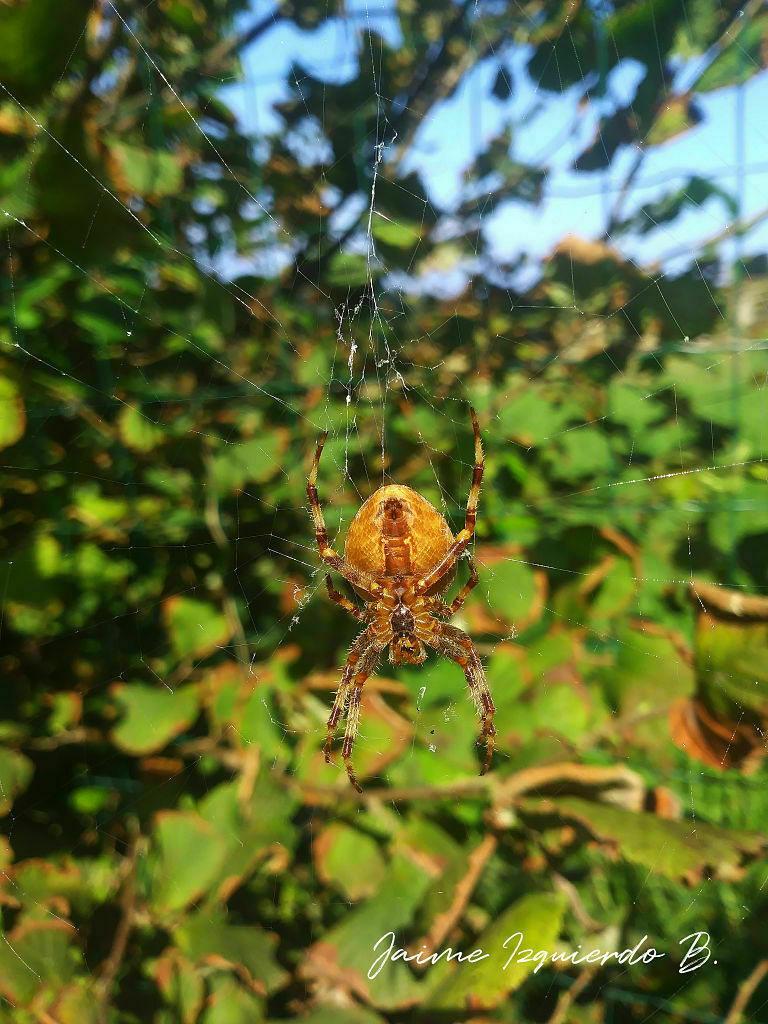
(399, 555)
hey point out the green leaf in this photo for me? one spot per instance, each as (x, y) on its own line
(743, 513)
(732, 665)
(350, 270)
(144, 172)
(742, 57)
(15, 773)
(34, 36)
(580, 453)
(248, 952)
(188, 855)
(152, 715)
(695, 192)
(633, 406)
(681, 850)
(485, 983)
(137, 431)
(511, 587)
(554, 708)
(237, 464)
(647, 675)
(37, 955)
(615, 593)
(229, 1003)
(708, 389)
(338, 846)
(75, 1004)
(532, 416)
(100, 326)
(182, 985)
(678, 115)
(250, 827)
(196, 628)
(401, 235)
(188, 15)
(83, 883)
(349, 945)
(12, 416)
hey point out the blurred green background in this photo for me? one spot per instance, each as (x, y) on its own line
(227, 228)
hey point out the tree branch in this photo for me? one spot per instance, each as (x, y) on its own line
(570, 995)
(746, 990)
(499, 792)
(740, 227)
(111, 965)
(232, 46)
(730, 602)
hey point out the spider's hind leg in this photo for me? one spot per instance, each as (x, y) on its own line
(457, 646)
(362, 661)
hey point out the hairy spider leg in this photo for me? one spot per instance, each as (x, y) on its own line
(346, 604)
(464, 536)
(353, 717)
(328, 555)
(361, 663)
(438, 607)
(357, 651)
(457, 646)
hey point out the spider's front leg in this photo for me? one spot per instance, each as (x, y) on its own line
(457, 646)
(439, 607)
(328, 555)
(363, 658)
(346, 604)
(463, 537)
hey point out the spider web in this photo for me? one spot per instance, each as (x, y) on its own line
(381, 375)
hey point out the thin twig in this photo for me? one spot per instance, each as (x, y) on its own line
(730, 602)
(746, 990)
(715, 50)
(80, 734)
(571, 994)
(111, 965)
(580, 912)
(738, 227)
(445, 922)
(235, 44)
(499, 791)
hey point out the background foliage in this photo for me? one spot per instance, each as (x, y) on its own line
(176, 848)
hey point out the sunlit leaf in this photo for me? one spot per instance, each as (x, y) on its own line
(196, 627)
(15, 773)
(676, 849)
(12, 415)
(485, 983)
(152, 715)
(144, 172)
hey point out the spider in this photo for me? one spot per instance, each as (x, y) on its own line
(399, 557)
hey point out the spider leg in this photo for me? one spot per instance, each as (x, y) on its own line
(328, 555)
(457, 646)
(440, 608)
(362, 660)
(464, 536)
(345, 603)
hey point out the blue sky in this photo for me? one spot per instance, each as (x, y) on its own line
(574, 203)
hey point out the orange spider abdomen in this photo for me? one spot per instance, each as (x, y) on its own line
(398, 533)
